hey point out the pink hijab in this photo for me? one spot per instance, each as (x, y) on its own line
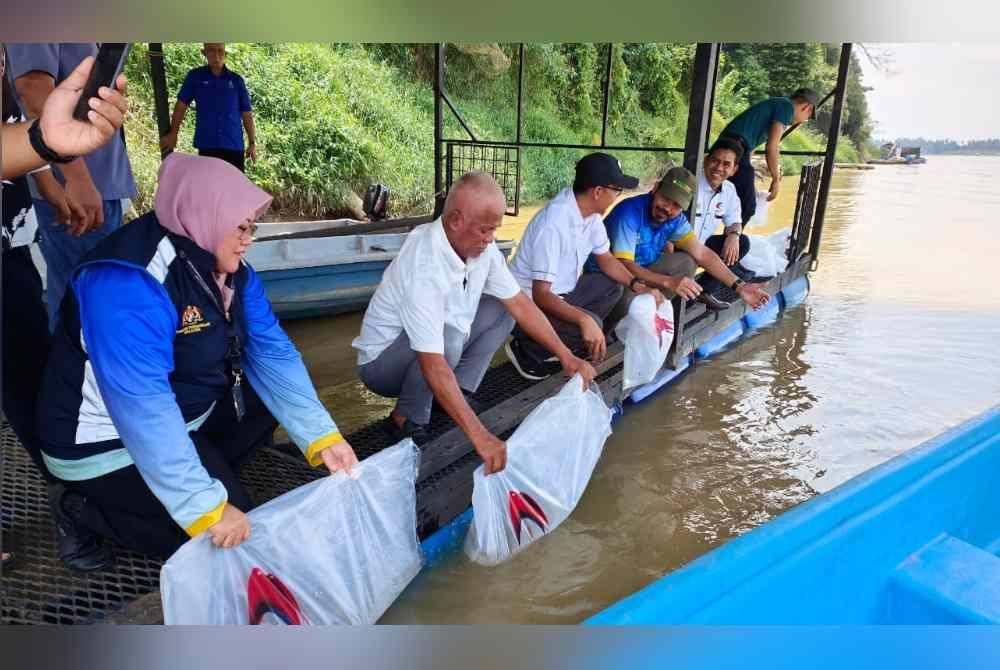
(204, 199)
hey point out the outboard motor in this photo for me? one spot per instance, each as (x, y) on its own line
(376, 202)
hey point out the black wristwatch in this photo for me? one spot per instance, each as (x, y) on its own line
(42, 149)
(737, 284)
(631, 284)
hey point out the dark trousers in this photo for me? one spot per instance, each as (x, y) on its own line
(25, 349)
(231, 156)
(121, 507)
(715, 242)
(743, 180)
(673, 264)
(594, 293)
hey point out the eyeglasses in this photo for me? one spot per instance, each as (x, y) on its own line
(616, 189)
(248, 231)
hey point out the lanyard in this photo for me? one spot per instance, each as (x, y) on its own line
(234, 348)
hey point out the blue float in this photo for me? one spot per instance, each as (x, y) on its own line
(721, 340)
(913, 541)
(796, 292)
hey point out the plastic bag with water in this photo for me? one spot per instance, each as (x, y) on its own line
(550, 459)
(646, 331)
(338, 550)
(767, 256)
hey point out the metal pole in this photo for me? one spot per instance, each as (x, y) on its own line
(607, 94)
(831, 150)
(520, 92)
(706, 62)
(711, 106)
(438, 128)
(520, 121)
(159, 77)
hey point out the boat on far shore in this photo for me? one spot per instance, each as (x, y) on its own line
(892, 154)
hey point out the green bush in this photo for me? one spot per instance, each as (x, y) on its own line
(333, 118)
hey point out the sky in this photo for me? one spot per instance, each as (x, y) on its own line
(935, 91)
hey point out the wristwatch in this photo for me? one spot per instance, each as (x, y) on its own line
(737, 284)
(42, 149)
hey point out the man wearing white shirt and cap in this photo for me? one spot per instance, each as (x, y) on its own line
(445, 305)
(550, 258)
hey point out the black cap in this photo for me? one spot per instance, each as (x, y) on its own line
(599, 169)
(807, 94)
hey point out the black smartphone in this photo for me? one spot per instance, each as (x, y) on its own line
(111, 59)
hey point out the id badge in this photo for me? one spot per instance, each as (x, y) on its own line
(238, 404)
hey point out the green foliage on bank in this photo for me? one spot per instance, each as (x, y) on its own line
(333, 118)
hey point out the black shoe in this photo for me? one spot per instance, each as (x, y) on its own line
(79, 548)
(414, 431)
(526, 364)
(711, 302)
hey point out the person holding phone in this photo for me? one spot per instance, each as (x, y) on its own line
(222, 103)
(93, 185)
(25, 323)
(169, 368)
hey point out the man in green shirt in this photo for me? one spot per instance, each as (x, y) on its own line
(766, 121)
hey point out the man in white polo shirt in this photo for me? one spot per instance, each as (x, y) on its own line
(550, 258)
(445, 305)
(719, 204)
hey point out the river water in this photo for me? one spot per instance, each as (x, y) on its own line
(897, 341)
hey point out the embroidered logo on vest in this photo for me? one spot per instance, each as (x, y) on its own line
(192, 321)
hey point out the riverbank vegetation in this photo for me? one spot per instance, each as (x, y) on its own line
(333, 118)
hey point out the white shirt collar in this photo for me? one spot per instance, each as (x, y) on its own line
(455, 262)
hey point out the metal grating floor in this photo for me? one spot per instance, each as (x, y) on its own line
(39, 590)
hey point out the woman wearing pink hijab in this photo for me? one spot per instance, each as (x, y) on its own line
(169, 368)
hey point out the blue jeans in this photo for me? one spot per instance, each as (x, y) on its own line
(63, 252)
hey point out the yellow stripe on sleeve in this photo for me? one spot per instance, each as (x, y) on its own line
(328, 440)
(683, 242)
(624, 255)
(205, 521)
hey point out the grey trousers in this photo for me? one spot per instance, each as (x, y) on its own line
(596, 294)
(677, 263)
(396, 372)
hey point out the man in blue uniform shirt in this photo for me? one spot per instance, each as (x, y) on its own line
(222, 103)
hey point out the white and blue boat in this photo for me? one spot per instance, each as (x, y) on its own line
(318, 268)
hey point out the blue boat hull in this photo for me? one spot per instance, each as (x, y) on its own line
(913, 541)
(323, 290)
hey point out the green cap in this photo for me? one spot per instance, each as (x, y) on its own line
(678, 185)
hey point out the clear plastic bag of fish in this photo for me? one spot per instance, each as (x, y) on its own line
(550, 459)
(338, 550)
(647, 332)
(767, 255)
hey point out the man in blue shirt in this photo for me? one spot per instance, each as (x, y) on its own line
(93, 186)
(221, 104)
(766, 121)
(643, 230)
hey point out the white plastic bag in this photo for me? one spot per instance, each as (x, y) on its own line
(759, 217)
(337, 550)
(767, 256)
(550, 458)
(647, 332)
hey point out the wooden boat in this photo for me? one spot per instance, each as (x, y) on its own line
(318, 268)
(913, 541)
